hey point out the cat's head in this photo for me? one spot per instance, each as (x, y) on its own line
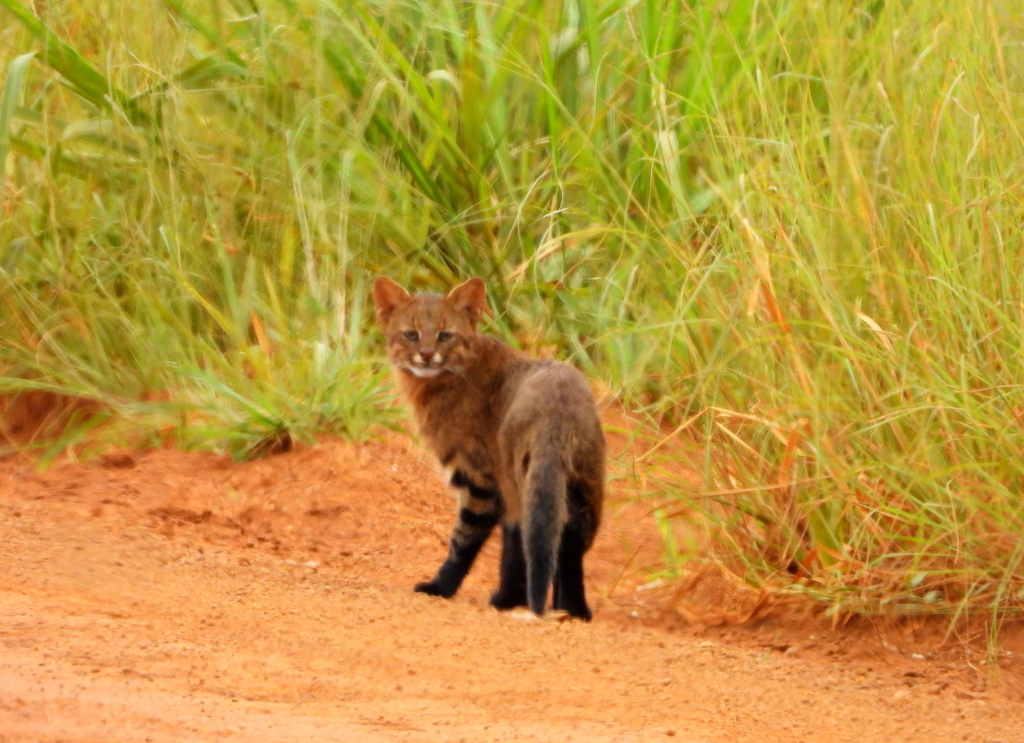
(429, 335)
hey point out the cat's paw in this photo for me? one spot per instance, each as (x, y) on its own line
(433, 588)
(577, 610)
(503, 600)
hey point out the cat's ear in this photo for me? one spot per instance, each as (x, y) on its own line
(469, 298)
(388, 297)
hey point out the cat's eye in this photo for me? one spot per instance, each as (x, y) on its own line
(411, 335)
(445, 335)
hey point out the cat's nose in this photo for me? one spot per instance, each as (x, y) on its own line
(427, 354)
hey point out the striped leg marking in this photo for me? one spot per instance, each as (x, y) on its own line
(479, 511)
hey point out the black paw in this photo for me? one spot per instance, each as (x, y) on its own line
(583, 613)
(508, 600)
(432, 588)
(580, 611)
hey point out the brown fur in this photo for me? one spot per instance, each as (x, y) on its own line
(519, 438)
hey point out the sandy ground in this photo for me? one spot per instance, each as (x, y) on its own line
(164, 596)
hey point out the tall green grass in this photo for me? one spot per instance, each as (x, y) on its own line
(789, 231)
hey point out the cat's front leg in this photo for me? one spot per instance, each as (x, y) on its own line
(480, 510)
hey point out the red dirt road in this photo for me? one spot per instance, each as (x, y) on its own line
(163, 596)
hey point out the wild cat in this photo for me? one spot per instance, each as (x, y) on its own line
(519, 439)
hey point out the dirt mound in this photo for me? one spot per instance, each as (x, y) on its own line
(34, 415)
(160, 595)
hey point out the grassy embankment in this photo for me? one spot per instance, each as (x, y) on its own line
(790, 230)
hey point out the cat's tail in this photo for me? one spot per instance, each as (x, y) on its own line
(544, 517)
